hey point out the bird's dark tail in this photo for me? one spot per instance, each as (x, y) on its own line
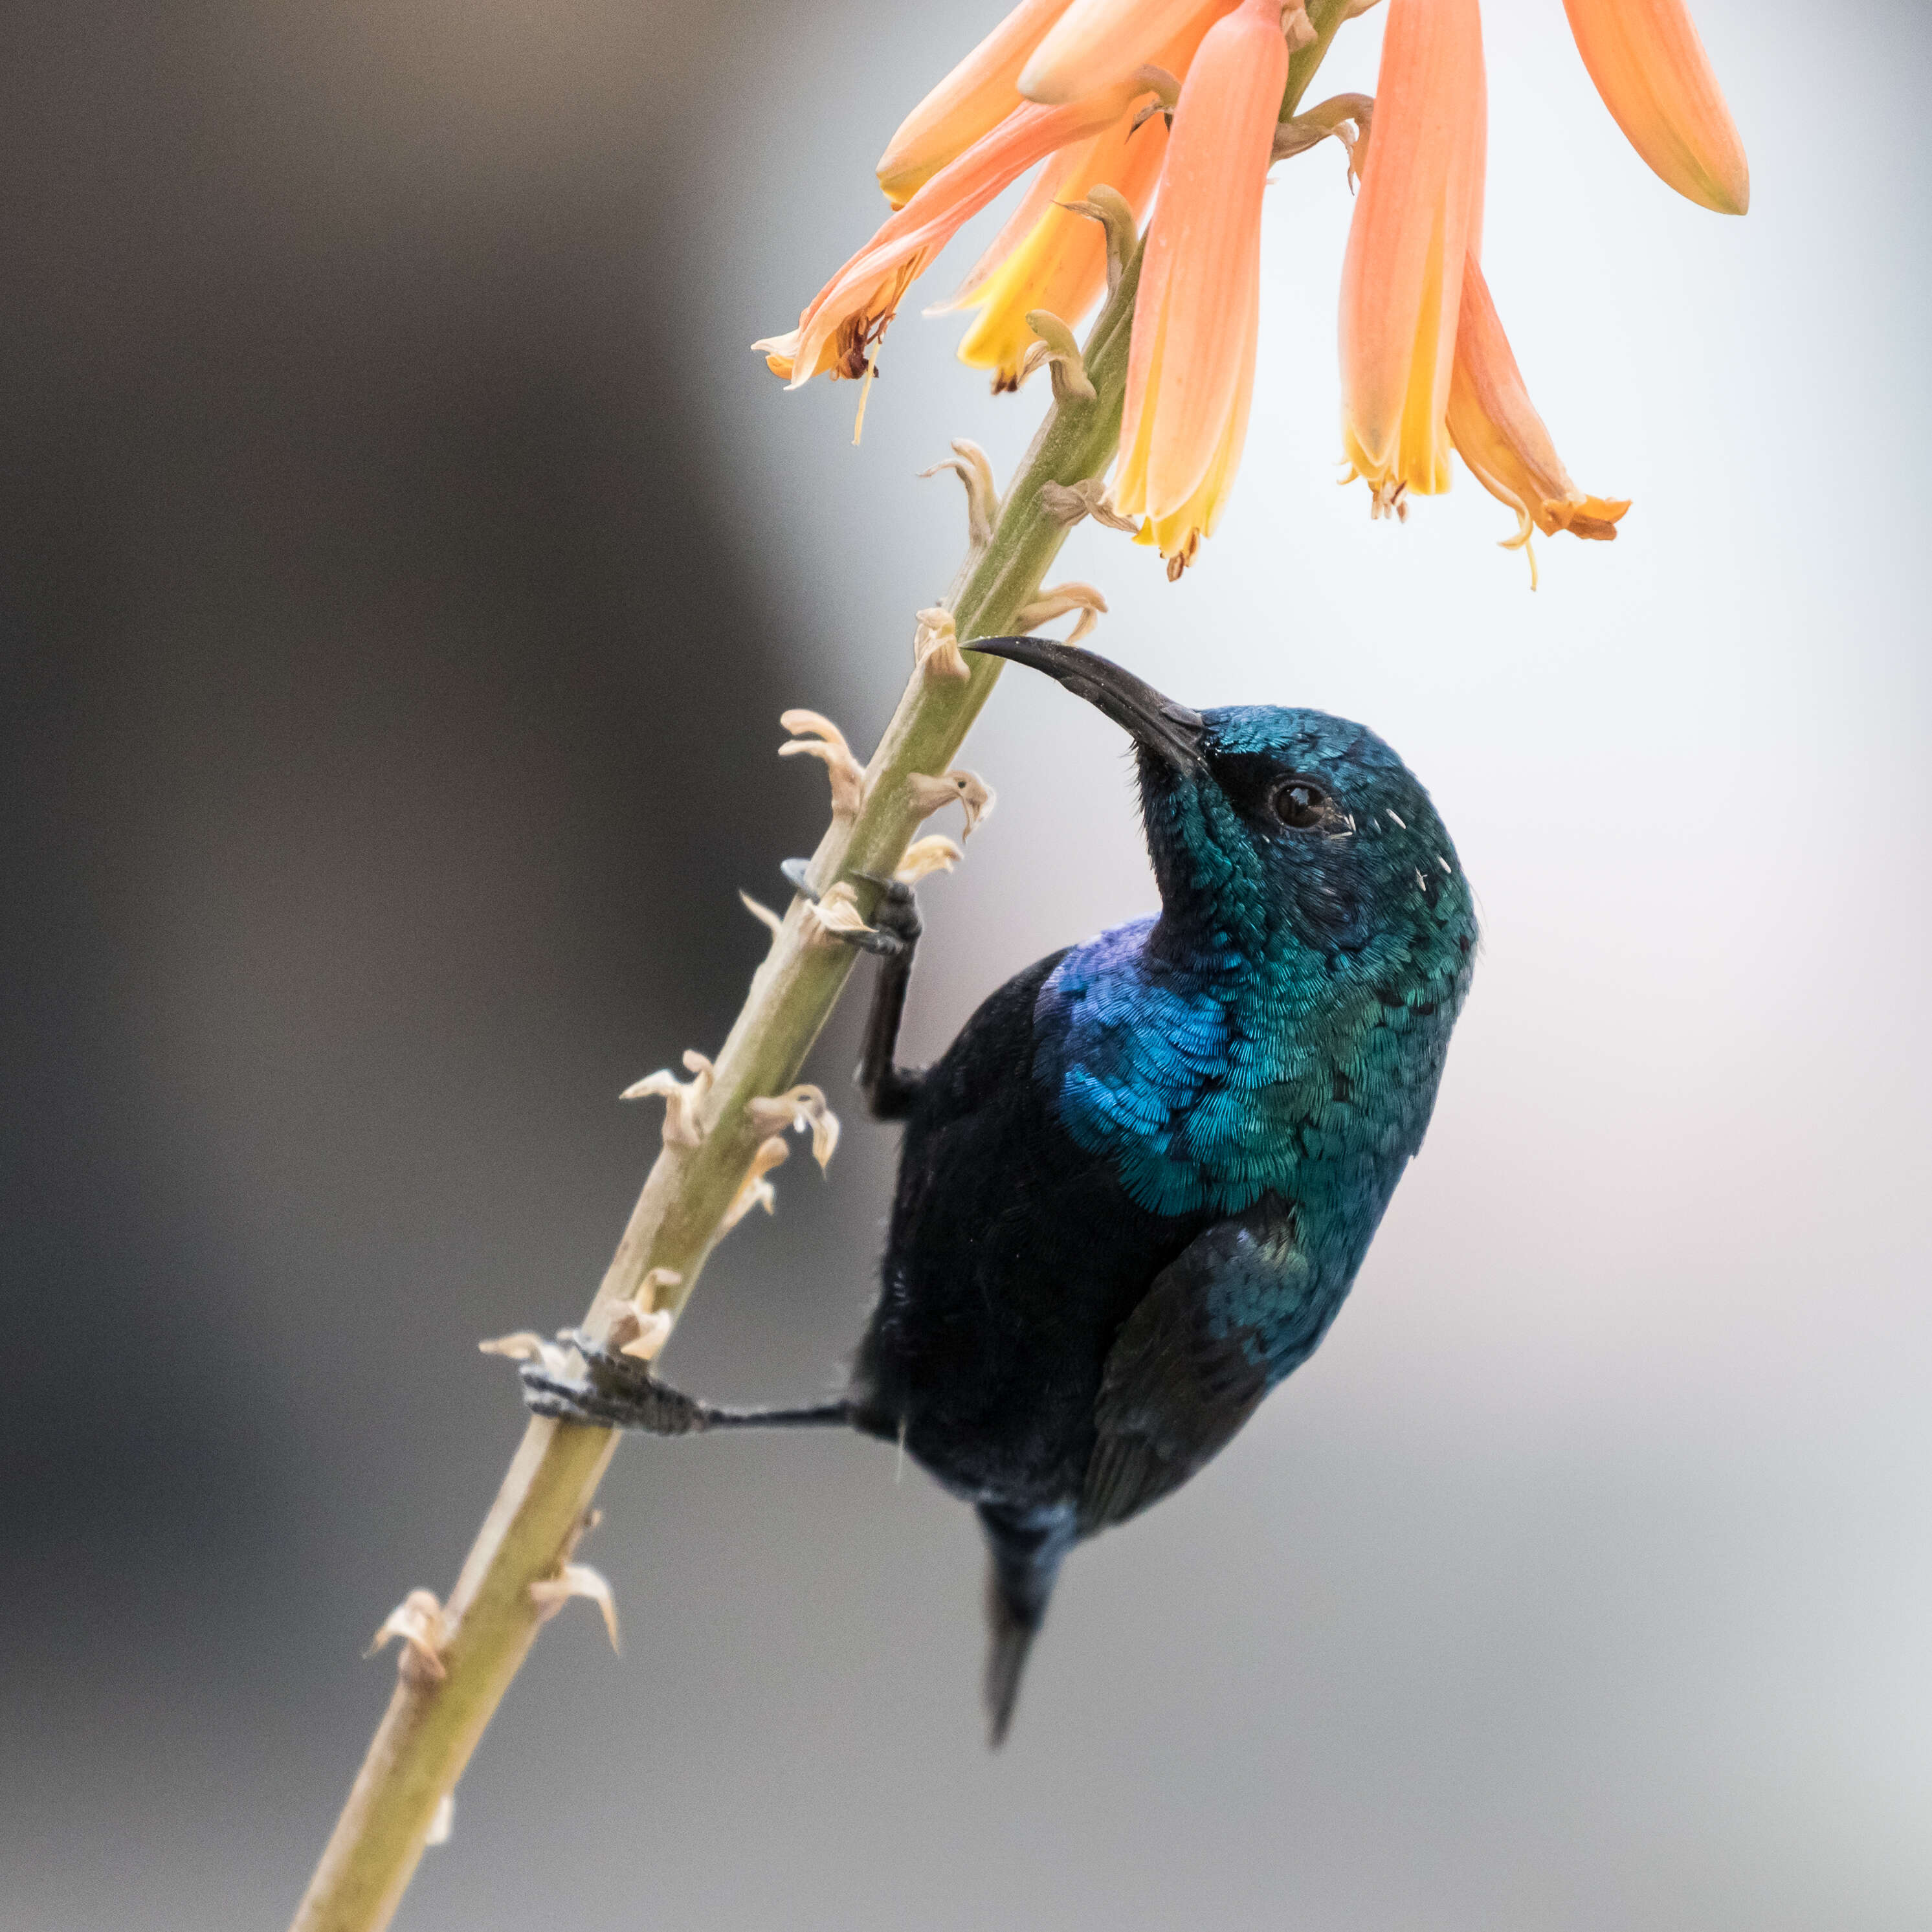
(1026, 1547)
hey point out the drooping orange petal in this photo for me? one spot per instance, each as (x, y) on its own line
(1060, 262)
(1046, 257)
(1097, 44)
(1418, 215)
(1049, 186)
(1499, 435)
(972, 100)
(1190, 365)
(839, 326)
(1650, 66)
(1178, 531)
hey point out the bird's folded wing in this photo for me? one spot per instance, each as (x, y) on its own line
(1189, 1367)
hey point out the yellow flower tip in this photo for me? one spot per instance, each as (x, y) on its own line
(1052, 256)
(1191, 362)
(1417, 218)
(1499, 435)
(839, 333)
(1598, 519)
(1650, 68)
(972, 100)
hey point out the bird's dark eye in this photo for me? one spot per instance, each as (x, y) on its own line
(1298, 803)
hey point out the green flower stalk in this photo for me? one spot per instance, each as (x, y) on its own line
(457, 1658)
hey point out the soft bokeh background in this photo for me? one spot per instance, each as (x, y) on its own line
(402, 566)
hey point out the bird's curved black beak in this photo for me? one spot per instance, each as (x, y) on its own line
(1170, 730)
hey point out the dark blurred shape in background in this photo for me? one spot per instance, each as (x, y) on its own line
(366, 601)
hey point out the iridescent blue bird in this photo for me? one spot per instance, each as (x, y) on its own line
(1134, 1192)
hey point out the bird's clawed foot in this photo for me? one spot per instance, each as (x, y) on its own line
(895, 916)
(895, 921)
(616, 1392)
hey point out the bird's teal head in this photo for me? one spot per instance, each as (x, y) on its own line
(1276, 833)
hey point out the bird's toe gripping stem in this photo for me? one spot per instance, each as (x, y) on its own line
(896, 913)
(895, 923)
(616, 1392)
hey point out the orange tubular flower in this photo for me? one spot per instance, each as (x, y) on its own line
(841, 324)
(1499, 435)
(1191, 365)
(971, 101)
(1650, 68)
(1418, 216)
(1048, 257)
(1427, 369)
(1097, 44)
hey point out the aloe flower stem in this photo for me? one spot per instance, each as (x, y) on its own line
(433, 1722)
(442, 1702)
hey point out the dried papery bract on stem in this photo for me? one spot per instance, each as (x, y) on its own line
(1119, 218)
(1347, 117)
(416, 1622)
(762, 913)
(684, 1100)
(1067, 503)
(935, 645)
(974, 469)
(755, 1191)
(1057, 350)
(814, 736)
(1058, 602)
(930, 794)
(803, 1109)
(924, 856)
(550, 1595)
(526, 1345)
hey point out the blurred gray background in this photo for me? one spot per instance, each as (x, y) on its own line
(403, 565)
